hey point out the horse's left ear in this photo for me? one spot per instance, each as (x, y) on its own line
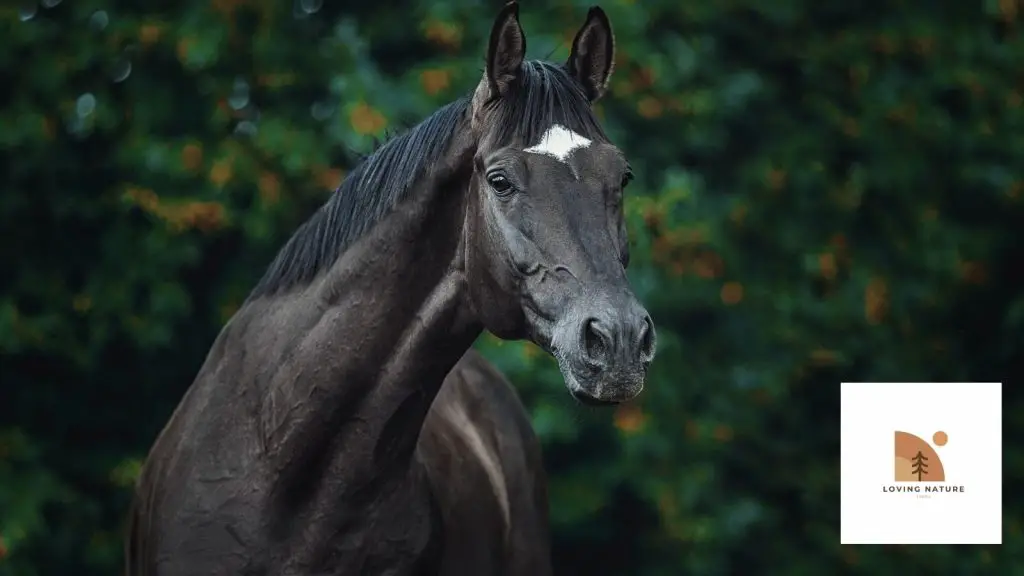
(593, 54)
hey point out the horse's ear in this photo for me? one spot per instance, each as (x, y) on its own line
(593, 54)
(506, 50)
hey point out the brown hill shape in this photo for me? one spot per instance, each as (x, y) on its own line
(907, 447)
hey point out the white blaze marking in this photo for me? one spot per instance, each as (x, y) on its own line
(558, 142)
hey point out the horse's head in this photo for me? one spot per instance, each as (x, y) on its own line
(546, 243)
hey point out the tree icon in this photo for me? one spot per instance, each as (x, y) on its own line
(919, 467)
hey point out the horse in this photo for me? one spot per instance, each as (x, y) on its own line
(337, 425)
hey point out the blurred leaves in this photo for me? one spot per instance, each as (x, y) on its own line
(824, 192)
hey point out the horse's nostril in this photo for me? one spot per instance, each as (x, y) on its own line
(595, 341)
(647, 339)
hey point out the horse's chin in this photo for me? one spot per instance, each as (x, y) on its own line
(604, 389)
(588, 400)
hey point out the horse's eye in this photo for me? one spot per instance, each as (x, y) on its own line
(627, 178)
(499, 182)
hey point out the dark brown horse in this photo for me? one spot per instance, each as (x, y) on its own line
(327, 432)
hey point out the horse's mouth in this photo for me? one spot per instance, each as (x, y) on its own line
(588, 400)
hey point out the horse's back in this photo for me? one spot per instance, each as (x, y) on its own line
(484, 465)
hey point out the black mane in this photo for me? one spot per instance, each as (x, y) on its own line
(545, 95)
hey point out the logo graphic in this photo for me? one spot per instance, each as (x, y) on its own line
(917, 467)
(921, 463)
(916, 460)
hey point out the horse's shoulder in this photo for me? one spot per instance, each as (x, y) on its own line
(475, 381)
(478, 408)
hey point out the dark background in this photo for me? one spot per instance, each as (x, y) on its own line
(826, 192)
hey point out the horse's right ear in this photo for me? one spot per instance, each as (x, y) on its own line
(506, 51)
(592, 57)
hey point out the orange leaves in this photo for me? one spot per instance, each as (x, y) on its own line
(681, 251)
(270, 187)
(649, 104)
(149, 34)
(444, 34)
(638, 83)
(642, 78)
(203, 216)
(823, 357)
(629, 418)
(680, 248)
(329, 178)
(970, 81)
(226, 7)
(851, 127)
(220, 173)
(885, 44)
(691, 250)
(192, 157)
(834, 259)
(81, 303)
(667, 503)
(708, 265)
(1015, 190)
(902, 114)
(760, 397)
(183, 48)
(876, 300)
(840, 250)
(738, 215)
(652, 219)
(366, 120)
(731, 293)
(142, 197)
(695, 430)
(277, 79)
(49, 128)
(674, 524)
(650, 108)
(180, 216)
(827, 266)
(679, 105)
(435, 81)
(924, 45)
(775, 179)
(682, 257)
(1008, 10)
(858, 75)
(973, 272)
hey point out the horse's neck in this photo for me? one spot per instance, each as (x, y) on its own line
(380, 331)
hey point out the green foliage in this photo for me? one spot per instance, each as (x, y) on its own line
(825, 192)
